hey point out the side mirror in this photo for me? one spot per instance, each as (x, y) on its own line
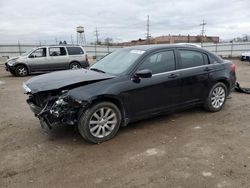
(31, 56)
(145, 73)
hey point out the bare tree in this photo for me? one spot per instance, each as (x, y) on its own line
(108, 41)
(244, 38)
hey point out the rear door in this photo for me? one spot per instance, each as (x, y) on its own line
(194, 69)
(77, 54)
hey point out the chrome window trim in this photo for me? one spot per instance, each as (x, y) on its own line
(190, 68)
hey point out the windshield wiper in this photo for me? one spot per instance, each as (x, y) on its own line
(97, 70)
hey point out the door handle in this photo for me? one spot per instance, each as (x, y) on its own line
(173, 76)
(207, 69)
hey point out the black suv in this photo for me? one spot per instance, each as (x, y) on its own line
(128, 85)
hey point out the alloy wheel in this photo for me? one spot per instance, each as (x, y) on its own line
(102, 122)
(22, 71)
(75, 66)
(218, 97)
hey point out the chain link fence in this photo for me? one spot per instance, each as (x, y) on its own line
(95, 52)
(228, 49)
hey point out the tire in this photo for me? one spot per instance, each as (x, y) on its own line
(75, 65)
(21, 71)
(216, 98)
(93, 123)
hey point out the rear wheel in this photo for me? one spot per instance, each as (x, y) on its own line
(216, 98)
(75, 65)
(100, 122)
(21, 70)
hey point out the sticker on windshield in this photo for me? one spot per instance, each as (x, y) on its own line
(140, 52)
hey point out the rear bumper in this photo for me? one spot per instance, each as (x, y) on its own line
(232, 82)
(84, 64)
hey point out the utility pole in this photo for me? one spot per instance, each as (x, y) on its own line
(97, 35)
(148, 35)
(97, 41)
(202, 31)
(19, 47)
(71, 37)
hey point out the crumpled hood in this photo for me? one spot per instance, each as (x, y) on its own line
(60, 79)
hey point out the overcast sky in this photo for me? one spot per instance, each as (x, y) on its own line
(31, 21)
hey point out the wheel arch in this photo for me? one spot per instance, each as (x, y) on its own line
(226, 82)
(75, 61)
(114, 100)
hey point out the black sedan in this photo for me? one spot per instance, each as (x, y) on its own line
(128, 85)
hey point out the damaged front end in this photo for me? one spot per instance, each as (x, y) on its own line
(54, 107)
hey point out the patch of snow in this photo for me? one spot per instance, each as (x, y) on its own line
(206, 174)
(2, 82)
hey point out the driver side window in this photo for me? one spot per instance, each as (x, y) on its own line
(41, 52)
(159, 62)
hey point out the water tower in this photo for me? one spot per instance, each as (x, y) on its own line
(80, 37)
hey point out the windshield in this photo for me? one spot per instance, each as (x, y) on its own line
(27, 52)
(118, 62)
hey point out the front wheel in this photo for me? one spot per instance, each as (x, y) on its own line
(21, 70)
(216, 98)
(100, 122)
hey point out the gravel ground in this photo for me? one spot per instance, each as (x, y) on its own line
(186, 149)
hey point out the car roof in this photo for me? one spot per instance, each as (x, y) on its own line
(63, 45)
(160, 46)
(153, 47)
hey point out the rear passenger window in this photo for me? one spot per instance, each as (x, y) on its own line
(192, 58)
(75, 50)
(159, 62)
(57, 51)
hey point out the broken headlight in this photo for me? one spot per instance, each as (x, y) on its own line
(60, 106)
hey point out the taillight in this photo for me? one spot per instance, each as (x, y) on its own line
(233, 67)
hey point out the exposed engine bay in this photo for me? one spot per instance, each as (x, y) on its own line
(55, 107)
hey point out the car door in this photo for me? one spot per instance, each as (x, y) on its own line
(37, 60)
(194, 70)
(58, 58)
(162, 90)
